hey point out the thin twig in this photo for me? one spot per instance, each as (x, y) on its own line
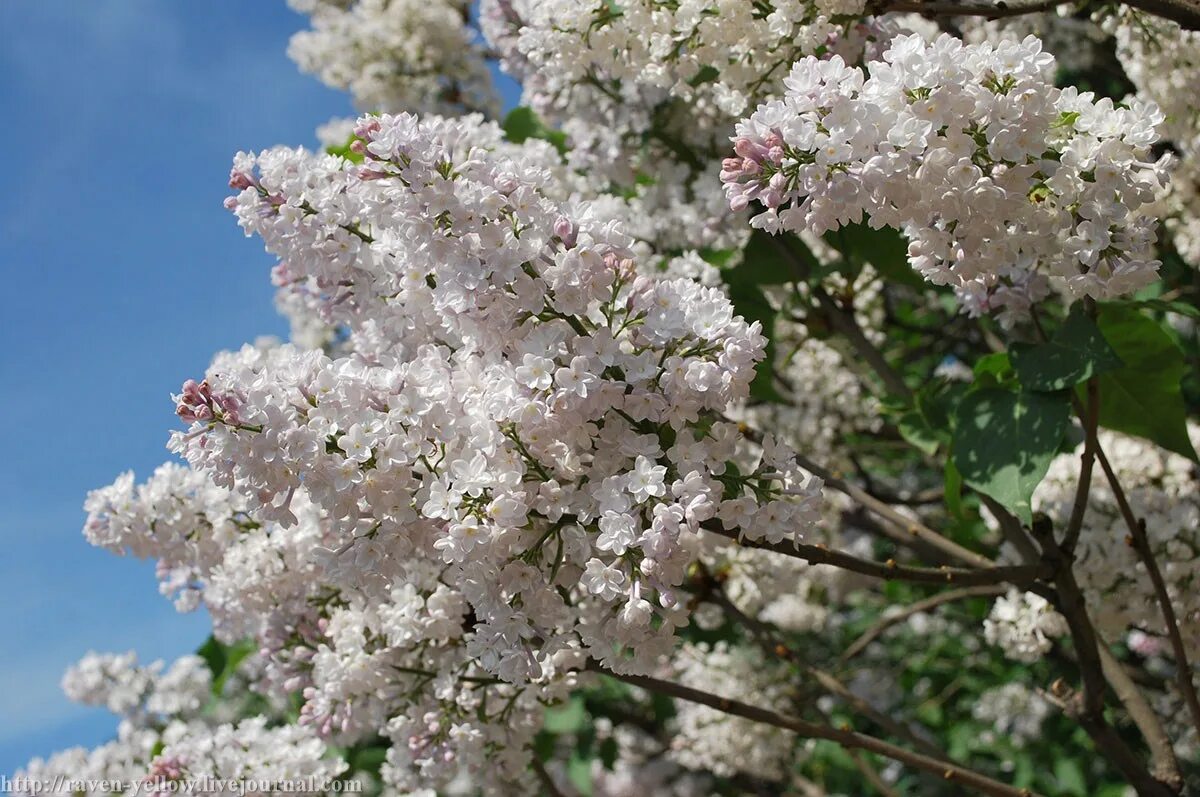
(1089, 708)
(1090, 417)
(1162, 753)
(546, 780)
(932, 602)
(774, 645)
(1141, 544)
(905, 526)
(1017, 575)
(1186, 13)
(851, 740)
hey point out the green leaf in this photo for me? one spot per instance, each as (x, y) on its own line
(916, 430)
(1070, 777)
(213, 653)
(718, 257)
(368, 759)
(522, 124)
(608, 752)
(544, 745)
(1076, 351)
(1023, 771)
(1161, 305)
(885, 249)
(234, 656)
(993, 369)
(1004, 441)
(953, 482)
(938, 403)
(569, 717)
(579, 772)
(1143, 398)
(345, 151)
(764, 264)
(707, 74)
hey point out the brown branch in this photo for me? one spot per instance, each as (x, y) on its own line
(905, 527)
(1090, 416)
(1088, 709)
(548, 784)
(1141, 544)
(1018, 575)
(773, 644)
(1184, 12)
(1011, 528)
(932, 602)
(843, 321)
(851, 740)
(1162, 753)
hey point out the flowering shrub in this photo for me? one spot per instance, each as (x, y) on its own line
(787, 398)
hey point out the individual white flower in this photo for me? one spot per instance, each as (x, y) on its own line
(604, 581)
(646, 479)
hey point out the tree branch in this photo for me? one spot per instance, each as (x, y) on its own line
(924, 605)
(773, 644)
(1090, 417)
(1184, 12)
(1089, 710)
(843, 321)
(849, 739)
(1162, 752)
(1018, 575)
(1141, 544)
(905, 528)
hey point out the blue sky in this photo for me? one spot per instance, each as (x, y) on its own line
(123, 275)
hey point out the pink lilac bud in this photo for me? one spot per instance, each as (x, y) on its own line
(565, 230)
(372, 174)
(365, 129)
(240, 180)
(739, 197)
(750, 150)
(168, 768)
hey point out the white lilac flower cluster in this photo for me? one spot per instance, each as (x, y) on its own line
(1163, 489)
(1014, 711)
(708, 739)
(170, 730)
(642, 768)
(1023, 625)
(501, 473)
(253, 752)
(179, 517)
(1004, 184)
(1162, 60)
(612, 75)
(674, 211)
(124, 759)
(396, 55)
(370, 636)
(128, 690)
(1077, 43)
